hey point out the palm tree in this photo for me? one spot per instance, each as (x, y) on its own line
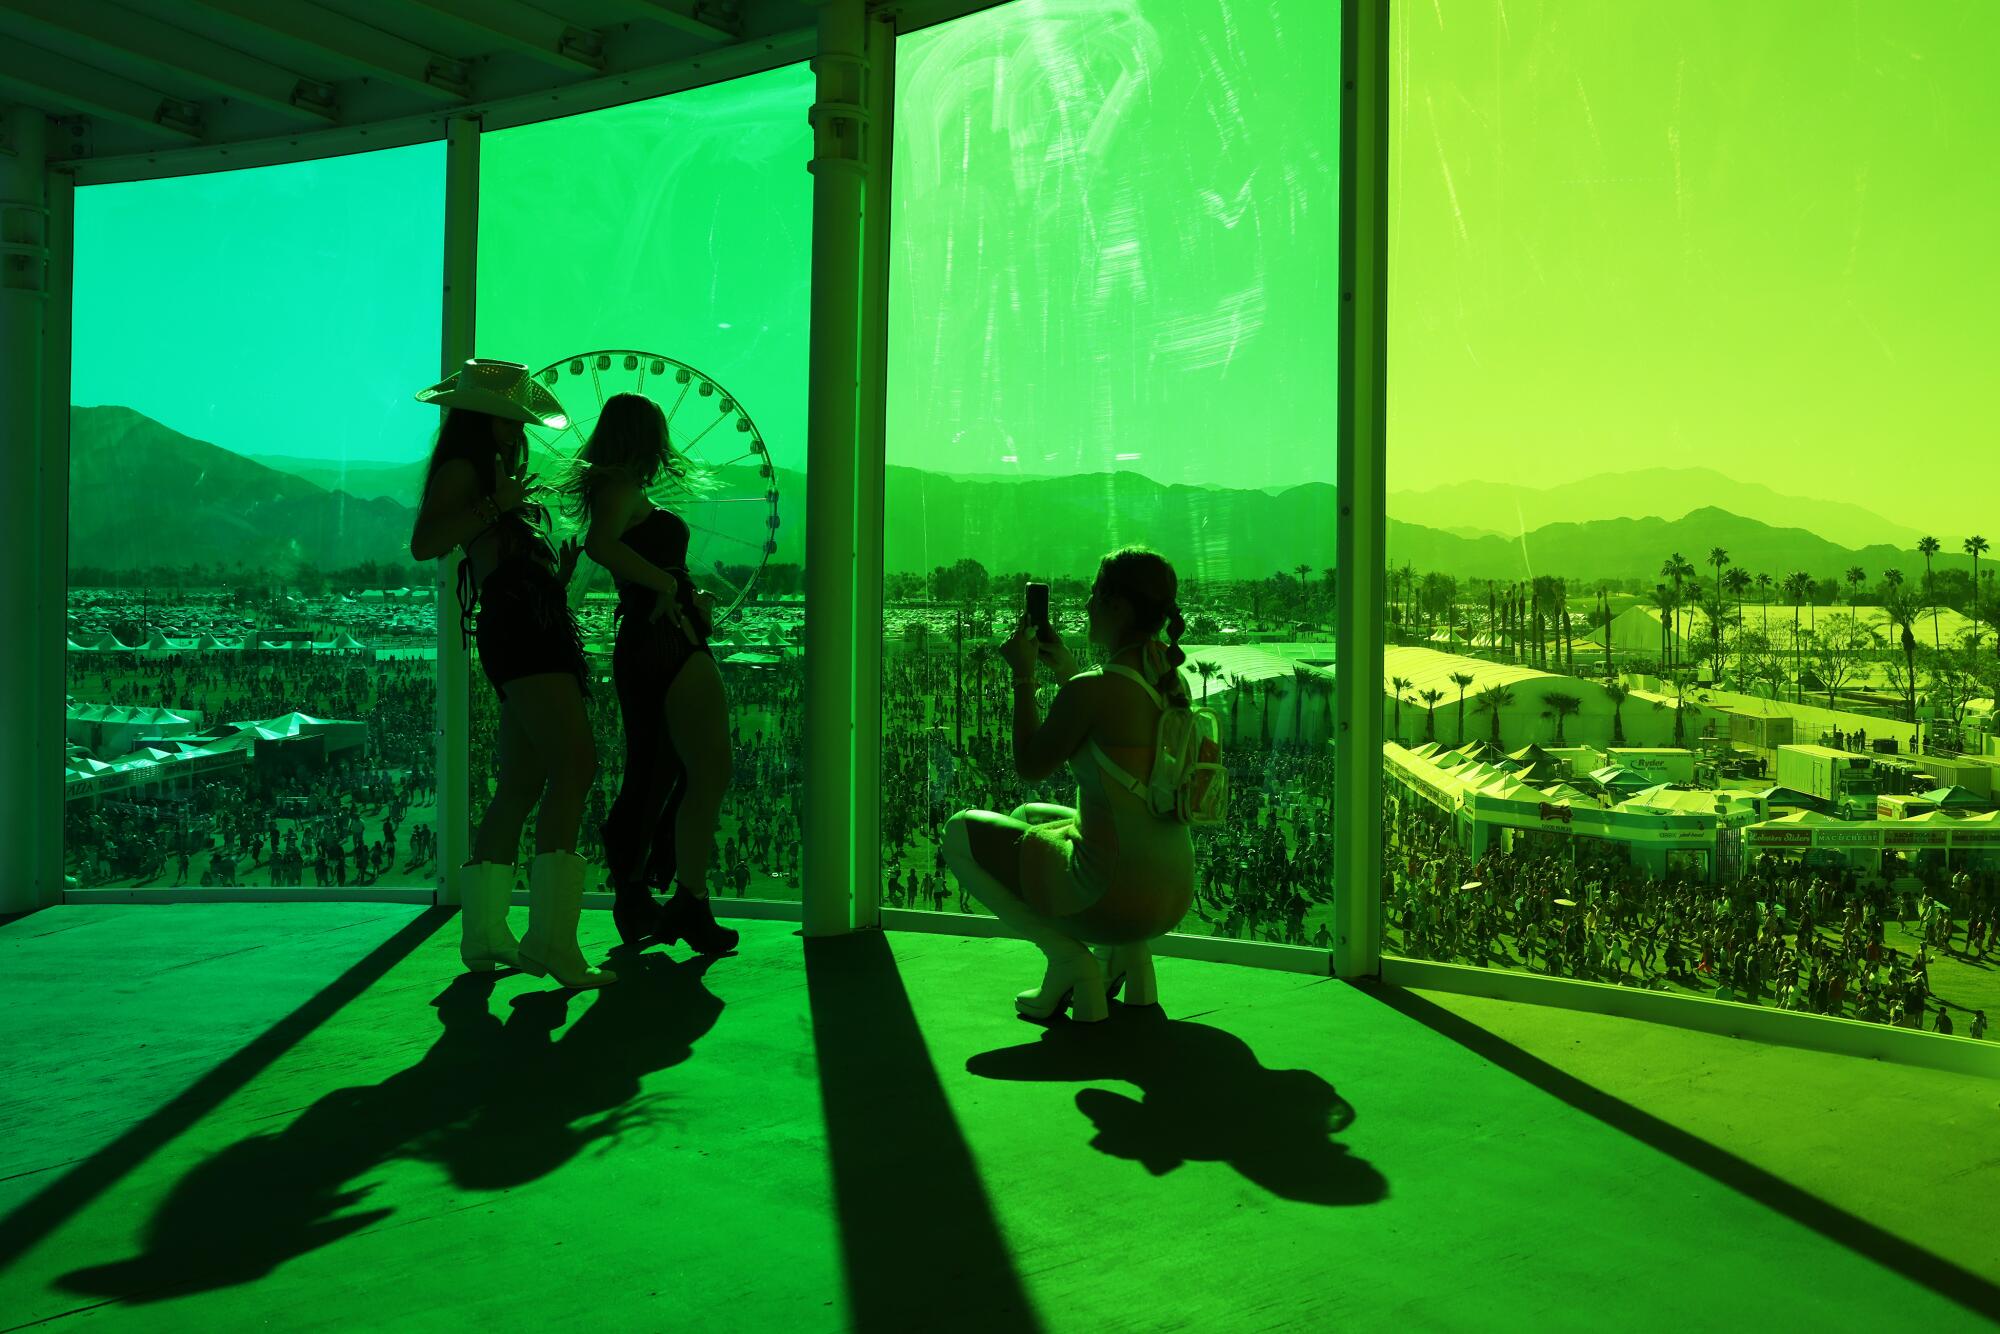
(1856, 576)
(1676, 568)
(1237, 683)
(1892, 578)
(1974, 545)
(1764, 600)
(1680, 683)
(1430, 698)
(1564, 706)
(1207, 671)
(1737, 581)
(1302, 680)
(1399, 684)
(1665, 599)
(1718, 558)
(1795, 588)
(1617, 691)
(977, 657)
(1461, 680)
(1902, 609)
(1492, 700)
(1930, 546)
(1268, 691)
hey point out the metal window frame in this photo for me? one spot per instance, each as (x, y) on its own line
(458, 326)
(1360, 485)
(1361, 454)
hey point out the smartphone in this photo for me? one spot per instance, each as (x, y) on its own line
(1038, 606)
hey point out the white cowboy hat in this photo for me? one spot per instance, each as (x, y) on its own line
(504, 389)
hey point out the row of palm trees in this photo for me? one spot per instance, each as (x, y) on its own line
(1494, 698)
(1797, 587)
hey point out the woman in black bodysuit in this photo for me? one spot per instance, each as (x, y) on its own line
(475, 496)
(677, 754)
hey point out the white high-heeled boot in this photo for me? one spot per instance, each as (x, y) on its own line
(555, 902)
(1073, 979)
(1129, 967)
(484, 942)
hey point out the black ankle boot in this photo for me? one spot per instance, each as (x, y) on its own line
(636, 913)
(688, 918)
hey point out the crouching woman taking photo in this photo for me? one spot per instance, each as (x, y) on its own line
(1108, 871)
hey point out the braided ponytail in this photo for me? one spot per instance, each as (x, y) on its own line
(1147, 581)
(1176, 627)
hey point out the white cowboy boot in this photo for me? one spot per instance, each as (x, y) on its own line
(484, 942)
(555, 902)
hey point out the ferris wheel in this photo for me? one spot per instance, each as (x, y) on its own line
(732, 518)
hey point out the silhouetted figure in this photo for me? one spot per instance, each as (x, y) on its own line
(475, 496)
(1109, 871)
(670, 696)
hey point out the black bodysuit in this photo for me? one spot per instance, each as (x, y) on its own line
(638, 830)
(520, 616)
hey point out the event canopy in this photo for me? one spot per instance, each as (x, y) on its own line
(1483, 751)
(1537, 765)
(1617, 778)
(1954, 797)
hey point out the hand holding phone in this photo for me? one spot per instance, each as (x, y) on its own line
(1038, 608)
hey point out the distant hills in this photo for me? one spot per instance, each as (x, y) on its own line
(1667, 493)
(144, 493)
(370, 480)
(1635, 549)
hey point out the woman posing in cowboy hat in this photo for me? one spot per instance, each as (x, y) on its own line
(677, 758)
(475, 495)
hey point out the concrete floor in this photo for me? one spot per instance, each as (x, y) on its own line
(304, 1116)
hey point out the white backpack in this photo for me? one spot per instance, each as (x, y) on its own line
(1189, 783)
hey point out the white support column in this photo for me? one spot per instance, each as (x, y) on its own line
(839, 168)
(51, 732)
(871, 476)
(32, 586)
(454, 664)
(1360, 483)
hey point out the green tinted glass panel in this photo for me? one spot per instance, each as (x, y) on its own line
(252, 666)
(1113, 320)
(1690, 462)
(664, 248)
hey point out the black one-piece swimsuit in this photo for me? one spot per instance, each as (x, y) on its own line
(522, 623)
(645, 661)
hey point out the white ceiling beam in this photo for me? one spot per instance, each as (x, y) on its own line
(386, 56)
(515, 26)
(163, 46)
(711, 20)
(56, 83)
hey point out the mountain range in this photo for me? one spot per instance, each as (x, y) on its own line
(143, 494)
(1508, 509)
(141, 489)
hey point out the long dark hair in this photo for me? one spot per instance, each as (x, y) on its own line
(629, 442)
(466, 433)
(1148, 583)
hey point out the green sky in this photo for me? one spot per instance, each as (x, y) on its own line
(1115, 240)
(280, 310)
(680, 225)
(1754, 235)
(1750, 236)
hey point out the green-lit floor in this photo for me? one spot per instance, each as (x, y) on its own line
(279, 1116)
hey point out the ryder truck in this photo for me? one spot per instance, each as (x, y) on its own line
(1842, 781)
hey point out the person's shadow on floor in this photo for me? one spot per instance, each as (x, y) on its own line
(1206, 1099)
(494, 1104)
